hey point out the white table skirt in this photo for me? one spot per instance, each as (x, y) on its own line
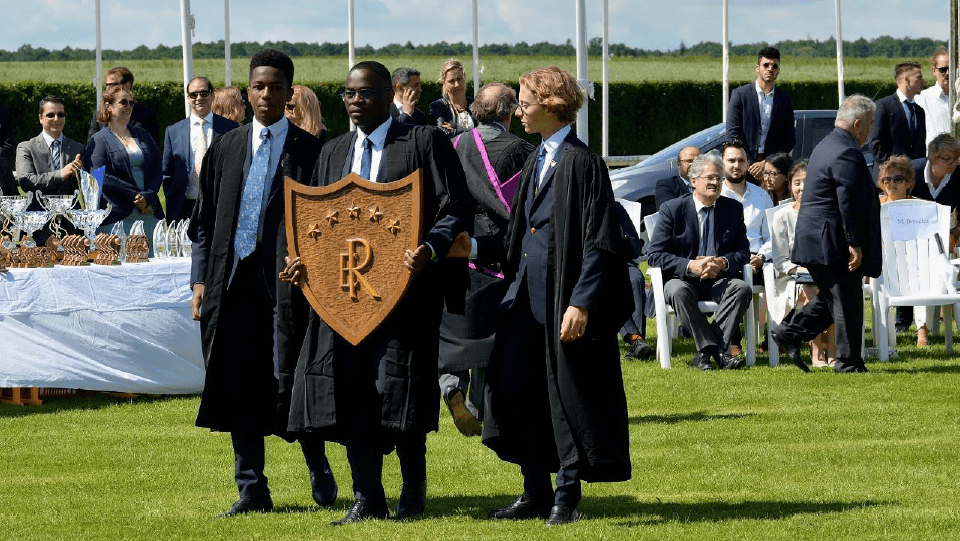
(125, 328)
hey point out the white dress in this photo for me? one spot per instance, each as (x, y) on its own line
(782, 235)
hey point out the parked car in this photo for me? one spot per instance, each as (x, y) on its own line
(639, 182)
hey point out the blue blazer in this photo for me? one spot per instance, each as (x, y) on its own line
(676, 240)
(119, 188)
(743, 121)
(178, 161)
(949, 195)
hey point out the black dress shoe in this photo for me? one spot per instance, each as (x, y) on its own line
(413, 501)
(701, 361)
(324, 486)
(561, 514)
(244, 505)
(640, 349)
(729, 362)
(363, 510)
(523, 507)
(792, 348)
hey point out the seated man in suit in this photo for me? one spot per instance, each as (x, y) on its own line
(406, 95)
(142, 116)
(184, 146)
(679, 184)
(701, 243)
(49, 163)
(899, 125)
(761, 116)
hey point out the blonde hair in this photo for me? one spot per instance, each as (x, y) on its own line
(898, 163)
(228, 103)
(556, 90)
(448, 66)
(306, 110)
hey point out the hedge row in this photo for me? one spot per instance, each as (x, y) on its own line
(644, 117)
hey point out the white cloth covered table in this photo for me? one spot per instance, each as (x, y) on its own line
(125, 328)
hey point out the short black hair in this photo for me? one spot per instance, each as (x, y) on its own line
(401, 76)
(273, 58)
(379, 70)
(733, 142)
(768, 52)
(50, 98)
(204, 79)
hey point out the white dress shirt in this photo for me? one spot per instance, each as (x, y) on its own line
(766, 108)
(378, 138)
(196, 124)
(755, 203)
(928, 178)
(936, 108)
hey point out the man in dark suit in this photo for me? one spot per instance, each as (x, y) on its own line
(49, 163)
(234, 227)
(899, 125)
(382, 393)
(679, 184)
(761, 116)
(406, 95)
(554, 400)
(142, 116)
(184, 146)
(837, 239)
(700, 243)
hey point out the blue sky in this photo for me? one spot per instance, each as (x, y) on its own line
(650, 24)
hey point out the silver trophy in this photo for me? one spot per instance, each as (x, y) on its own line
(29, 221)
(89, 192)
(173, 239)
(12, 206)
(160, 240)
(58, 206)
(89, 220)
(186, 245)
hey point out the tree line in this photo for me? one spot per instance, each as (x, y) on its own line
(883, 46)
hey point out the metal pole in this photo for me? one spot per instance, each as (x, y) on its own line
(954, 37)
(726, 61)
(476, 51)
(582, 74)
(605, 112)
(98, 81)
(840, 89)
(226, 43)
(187, 49)
(350, 51)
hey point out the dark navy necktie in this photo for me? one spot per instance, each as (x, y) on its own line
(541, 157)
(366, 159)
(706, 235)
(913, 119)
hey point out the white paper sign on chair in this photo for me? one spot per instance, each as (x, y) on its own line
(913, 222)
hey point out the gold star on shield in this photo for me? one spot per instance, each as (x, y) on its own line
(394, 227)
(354, 212)
(376, 215)
(333, 218)
(314, 232)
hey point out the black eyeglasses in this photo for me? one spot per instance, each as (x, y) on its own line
(366, 94)
(896, 179)
(199, 94)
(55, 115)
(944, 70)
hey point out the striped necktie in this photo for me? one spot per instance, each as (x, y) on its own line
(55, 152)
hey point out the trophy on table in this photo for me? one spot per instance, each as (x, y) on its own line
(12, 206)
(118, 231)
(160, 240)
(32, 255)
(88, 218)
(58, 206)
(137, 248)
(186, 245)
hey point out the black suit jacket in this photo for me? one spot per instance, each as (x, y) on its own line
(142, 117)
(840, 208)
(440, 112)
(743, 121)
(676, 240)
(890, 133)
(949, 195)
(670, 188)
(178, 159)
(119, 186)
(418, 118)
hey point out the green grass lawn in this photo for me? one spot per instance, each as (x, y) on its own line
(759, 454)
(495, 68)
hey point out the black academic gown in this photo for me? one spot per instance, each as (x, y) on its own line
(587, 394)
(213, 227)
(333, 392)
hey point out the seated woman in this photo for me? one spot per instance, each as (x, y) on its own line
(452, 111)
(132, 163)
(792, 284)
(228, 103)
(303, 109)
(896, 180)
(774, 179)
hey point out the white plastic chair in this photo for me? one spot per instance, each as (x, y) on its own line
(916, 265)
(667, 319)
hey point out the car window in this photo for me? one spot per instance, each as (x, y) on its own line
(698, 140)
(818, 129)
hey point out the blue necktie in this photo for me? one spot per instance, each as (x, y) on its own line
(246, 238)
(55, 150)
(366, 158)
(913, 119)
(541, 157)
(706, 237)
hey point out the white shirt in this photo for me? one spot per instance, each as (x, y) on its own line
(936, 108)
(755, 203)
(193, 189)
(928, 178)
(378, 137)
(551, 145)
(766, 108)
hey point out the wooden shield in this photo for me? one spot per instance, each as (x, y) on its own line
(351, 237)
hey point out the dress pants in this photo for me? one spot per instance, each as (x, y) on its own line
(839, 302)
(470, 383)
(637, 323)
(733, 297)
